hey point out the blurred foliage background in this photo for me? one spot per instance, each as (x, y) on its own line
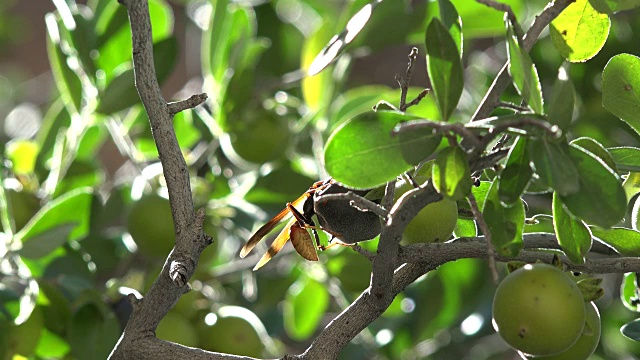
(85, 215)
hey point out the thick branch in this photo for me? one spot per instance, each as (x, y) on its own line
(190, 239)
(491, 99)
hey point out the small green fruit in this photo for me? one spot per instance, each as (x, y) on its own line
(434, 223)
(176, 328)
(586, 344)
(539, 310)
(150, 224)
(231, 334)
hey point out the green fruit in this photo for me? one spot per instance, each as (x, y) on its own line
(151, 226)
(175, 327)
(434, 223)
(258, 140)
(232, 333)
(539, 310)
(586, 344)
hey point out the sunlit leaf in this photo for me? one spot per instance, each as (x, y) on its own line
(305, 304)
(579, 32)
(316, 88)
(356, 149)
(73, 207)
(594, 147)
(340, 41)
(506, 224)
(621, 88)
(451, 174)
(444, 67)
(623, 240)
(523, 71)
(600, 199)
(465, 228)
(43, 243)
(629, 292)
(626, 158)
(573, 234)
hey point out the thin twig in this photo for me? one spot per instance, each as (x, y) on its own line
(512, 106)
(190, 103)
(507, 9)
(501, 81)
(440, 127)
(404, 82)
(487, 234)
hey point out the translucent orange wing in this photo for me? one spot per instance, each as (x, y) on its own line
(270, 225)
(276, 246)
(302, 242)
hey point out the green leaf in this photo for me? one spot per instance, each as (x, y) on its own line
(573, 234)
(579, 32)
(562, 101)
(465, 228)
(44, 243)
(72, 207)
(517, 173)
(554, 166)
(451, 173)
(338, 42)
(355, 151)
(444, 67)
(51, 345)
(600, 200)
(631, 330)
(317, 89)
(613, 6)
(626, 158)
(631, 185)
(594, 147)
(93, 333)
(621, 88)
(67, 81)
(506, 224)
(452, 21)
(624, 241)
(523, 72)
(629, 292)
(121, 92)
(305, 305)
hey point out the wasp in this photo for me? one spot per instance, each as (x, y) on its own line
(336, 217)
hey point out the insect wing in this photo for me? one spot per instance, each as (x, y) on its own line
(276, 246)
(302, 242)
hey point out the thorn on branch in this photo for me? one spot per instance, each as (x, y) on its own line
(190, 103)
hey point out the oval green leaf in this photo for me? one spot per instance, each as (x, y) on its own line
(629, 293)
(624, 241)
(305, 304)
(626, 158)
(517, 173)
(363, 153)
(600, 200)
(451, 173)
(444, 67)
(523, 72)
(579, 32)
(621, 88)
(594, 147)
(562, 101)
(631, 330)
(452, 21)
(554, 166)
(573, 234)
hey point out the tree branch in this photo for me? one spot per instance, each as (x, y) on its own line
(492, 98)
(190, 239)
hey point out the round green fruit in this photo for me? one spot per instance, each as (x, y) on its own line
(176, 328)
(231, 334)
(539, 310)
(258, 140)
(586, 344)
(150, 224)
(434, 223)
